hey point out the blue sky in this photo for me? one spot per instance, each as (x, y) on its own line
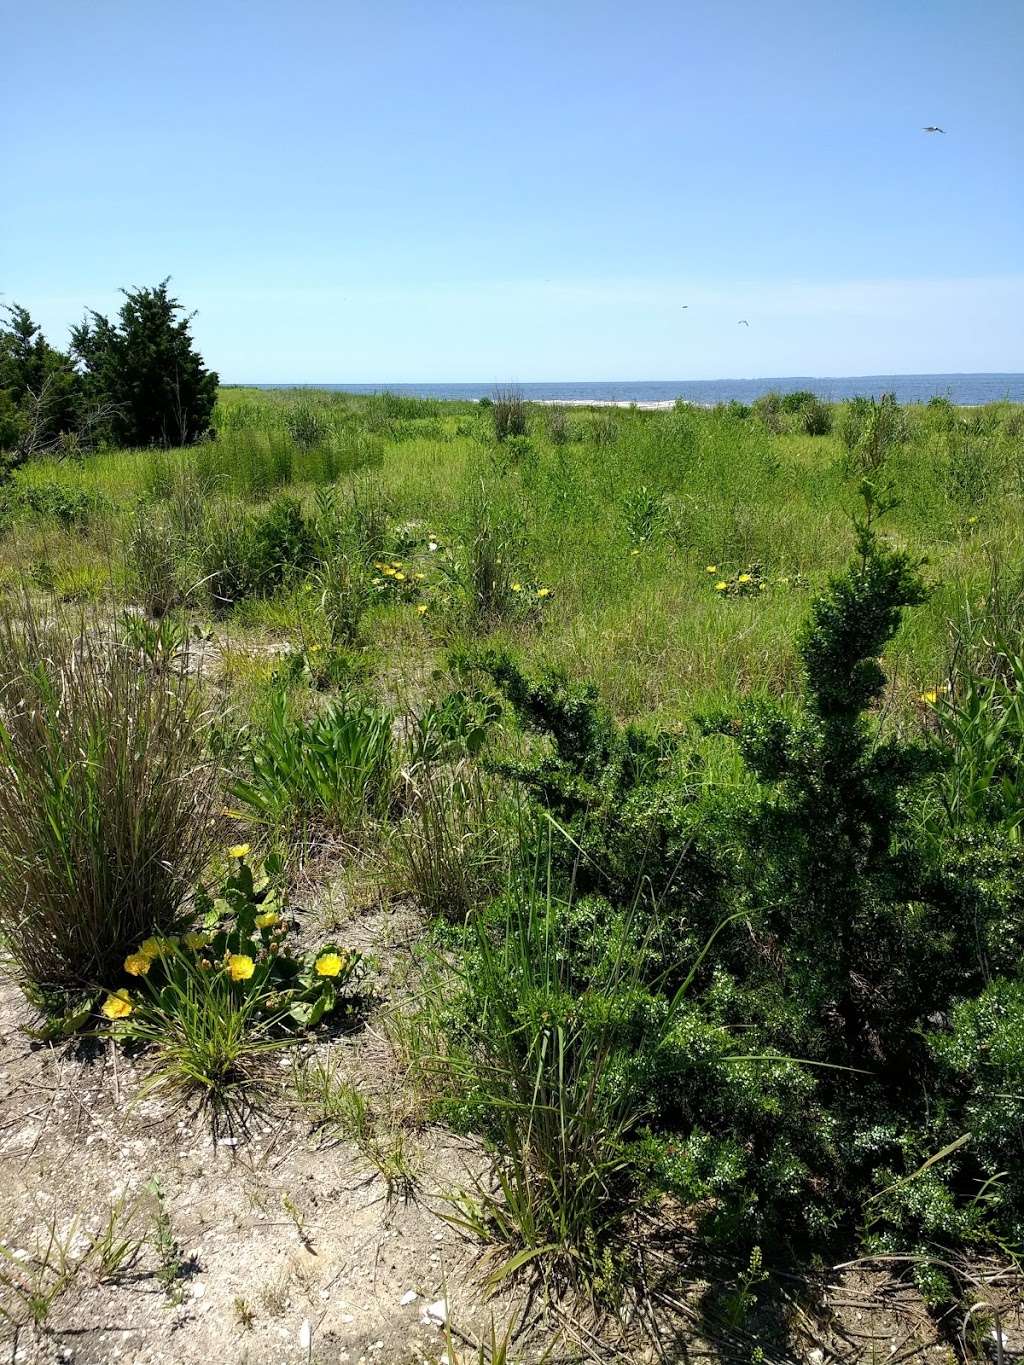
(526, 191)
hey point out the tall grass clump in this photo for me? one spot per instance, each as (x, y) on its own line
(508, 413)
(107, 799)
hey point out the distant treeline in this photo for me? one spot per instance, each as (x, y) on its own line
(137, 380)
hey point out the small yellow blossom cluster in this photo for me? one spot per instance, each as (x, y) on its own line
(746, 584)
(528, 592)
(399, 581)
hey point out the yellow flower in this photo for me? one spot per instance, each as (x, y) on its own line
(721, 585)
(399, 577)
(930, 697)
(240, 966)
(137, 964)
(328, 964)
(744, 578)
(196, 941)
(422, 608)
(420, 576)
(267, 920)
(517, 587)
(711, 568)
(543, 592)
(117, 1005)
(634, 552)
(971, 521)
(388, 571)
(239, 850)
(153, 947)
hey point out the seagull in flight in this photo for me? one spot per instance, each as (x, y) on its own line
(932, 128)
(743, 323)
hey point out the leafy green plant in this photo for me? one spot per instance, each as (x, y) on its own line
(337, 767)
(982, 726)
(645, 516)
(211, 1003)
(107, 810)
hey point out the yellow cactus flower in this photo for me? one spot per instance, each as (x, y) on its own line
(196, 941)
(239, 850)
(137, 964)
(267, 920)
(117, 1005)
(328, 964)
(240, 966)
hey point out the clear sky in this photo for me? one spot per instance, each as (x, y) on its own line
(429, 190)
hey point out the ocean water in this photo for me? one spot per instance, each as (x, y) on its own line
(966, 389)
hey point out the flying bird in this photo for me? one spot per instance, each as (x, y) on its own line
(743, 323)
(933, 129)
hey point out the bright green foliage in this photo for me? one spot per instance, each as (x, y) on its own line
(212, 1001)
(145, 367)
(249, 554)
(611, 791)
(753, 1036)
(335, 768)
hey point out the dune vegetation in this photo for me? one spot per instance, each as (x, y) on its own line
(691, 738)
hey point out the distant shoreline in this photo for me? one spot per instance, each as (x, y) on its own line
(965, 390)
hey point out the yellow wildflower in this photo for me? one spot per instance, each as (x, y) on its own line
(543, 592)
(930, 697)
(710, 568)
(240, 966)
(721, 585)
(744, 578)
(151, 948)
(328, 964)
(517, 587)
(137, 964)
(239, 850)
(117, 1005)
(420, 576)
(422, 608)
(399, 577)
(267, 920)
(196, 941)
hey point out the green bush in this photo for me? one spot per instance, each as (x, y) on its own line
(763, 972)
(250, 554)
